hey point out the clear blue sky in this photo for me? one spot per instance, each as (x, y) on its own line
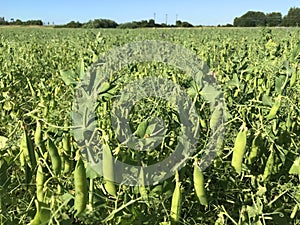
(209, 12)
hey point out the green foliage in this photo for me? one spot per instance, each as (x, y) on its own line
(26, 23)
(183, 24)
(273, 19)
(100, 23)
(38, 71)
(251, 19)
(73, 24)
(292, 18)
(138, 24)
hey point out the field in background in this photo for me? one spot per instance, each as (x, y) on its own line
(258, 70)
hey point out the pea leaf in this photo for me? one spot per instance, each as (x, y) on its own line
(267, 100)
(295, 168)
(68, 76)
(3, 141)
(90, 172)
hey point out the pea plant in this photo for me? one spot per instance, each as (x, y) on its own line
(253, 179)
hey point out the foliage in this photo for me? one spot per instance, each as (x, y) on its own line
(100, 23)
(273, 19)
(183, 24)
(250, 19)
(71, 24)
(258, 71)
(292, 18)
(22, 23)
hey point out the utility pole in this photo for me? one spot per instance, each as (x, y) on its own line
(154, 16)
(176, 17)
(166, 19)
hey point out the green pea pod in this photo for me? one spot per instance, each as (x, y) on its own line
(62, 156)
(142, 188)
(108, 171)
(294, 212)
(40, 180)
(66, 143)
(54, 155)
(239, 149)
(215, 117)
(22, 159)
(288, 122)
(203, 123)
(254, 149)
(293, 78)
(81, 187)
(68, 163)
(275, 108)
(32, 153)
(26, 147)
(38, 139)
(3, 174)
(45, 111)
(141, 129)
(176, 200)
(23, 149)
(199, 185)
(269, 165)
(43, 214)
(33, 94)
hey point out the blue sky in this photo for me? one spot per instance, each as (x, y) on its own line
(210, 12)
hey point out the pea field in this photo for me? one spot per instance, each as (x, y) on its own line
(253, 179)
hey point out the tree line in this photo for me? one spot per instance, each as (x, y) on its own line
(249, 19)
(19, 22)
(98, 23)
(106, 23)
(274, 19)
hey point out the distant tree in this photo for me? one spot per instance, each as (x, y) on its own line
(139, 24)
(18, 22)
(73, 24)
(250, 19)
(273, 19)
(100, 23)
(183, 24)
(129, 25)
(292, 18)
(151, 23)
(33, 23)
(178, 23)
(142, 23)
(2, 21)
(186, 24)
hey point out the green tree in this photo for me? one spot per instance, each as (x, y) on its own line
(250, 19)
(18, 22)
(73, 24)
(3, 21)
(178, 23)
(151, 23)
(186, 24)
(33, 23)
(101, 23)
(292, 18)
(129, 25)
(183, 24)
(273, 19)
